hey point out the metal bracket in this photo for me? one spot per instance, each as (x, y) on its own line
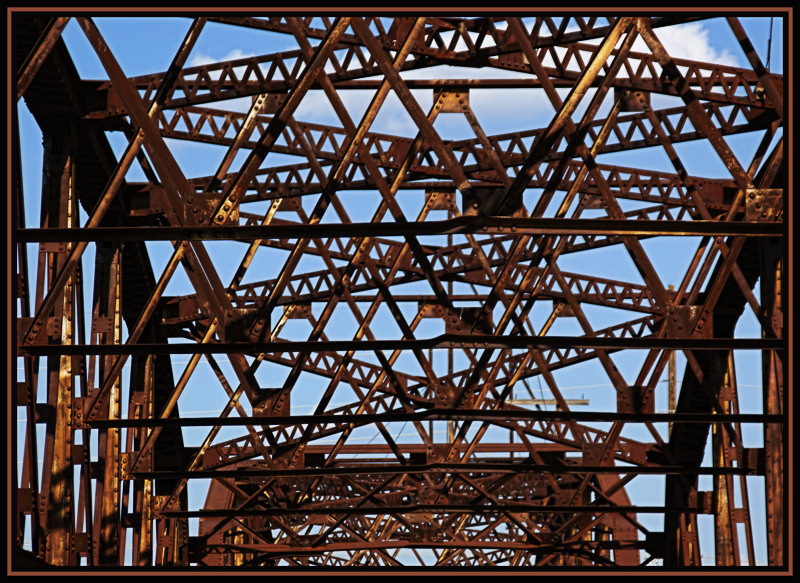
(24, 324)
(436, 453)
(198, 209)
(764, 205)
(632, 100)
(446, 396)
(180, 309)
(269, 399)
(459, 320)
(159, 506)
(270, 102)
(452, 99)
(562, 309)
(237, 324)
(290, 204)
(298, 311)
(592, 452)
(80, 406)
(681, 322)
(634, 399)
(593, 201)
(419, 517)
(146, 202)
(715, 194)
(52, 247)
(439, 200)
(125, 464)
(288, 460)
(487, 201)
(102, 325)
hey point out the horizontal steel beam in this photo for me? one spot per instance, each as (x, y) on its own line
(427, 509)
(440, 414)
(437, 468)
(458, 225)
(442, 342)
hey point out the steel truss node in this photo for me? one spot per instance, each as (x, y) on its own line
(348, 340)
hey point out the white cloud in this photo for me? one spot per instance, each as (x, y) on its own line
(690, 41)
(205, 59)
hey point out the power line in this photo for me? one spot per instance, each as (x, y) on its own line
(769, 43)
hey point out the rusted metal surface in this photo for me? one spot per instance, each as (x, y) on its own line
(320, 364)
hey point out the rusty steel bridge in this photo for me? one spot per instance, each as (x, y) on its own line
(342, 344)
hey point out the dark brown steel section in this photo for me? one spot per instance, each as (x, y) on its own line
(392, 294)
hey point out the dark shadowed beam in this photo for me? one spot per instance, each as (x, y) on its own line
(39, 53)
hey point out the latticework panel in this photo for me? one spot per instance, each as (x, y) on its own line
(328, 305)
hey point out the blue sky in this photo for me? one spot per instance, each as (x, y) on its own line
(144, 46)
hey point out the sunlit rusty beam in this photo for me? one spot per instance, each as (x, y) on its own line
(726, 78)
(713, 82)
(599, 291)
(435, 25)
(176, 194)
(56, 505)
(697, 114)
(212, 126)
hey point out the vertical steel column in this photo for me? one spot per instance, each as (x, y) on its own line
(107, 301)
(141, 403)
(27, 477)
(772, 268)
(726, 552)
(59, 209)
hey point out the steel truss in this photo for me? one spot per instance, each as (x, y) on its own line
(369, 369)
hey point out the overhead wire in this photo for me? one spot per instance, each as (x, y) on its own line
(769, 43)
